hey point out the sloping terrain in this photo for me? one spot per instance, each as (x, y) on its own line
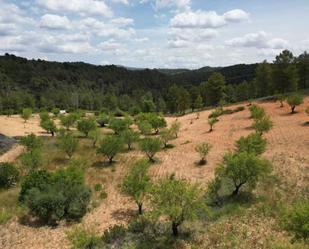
(288, 149)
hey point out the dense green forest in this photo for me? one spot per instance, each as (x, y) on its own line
(41, 84)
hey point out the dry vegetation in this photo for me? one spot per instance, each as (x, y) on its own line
(246, 227)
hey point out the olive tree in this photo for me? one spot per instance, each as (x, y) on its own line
(110, 146)
(254, 143)
(177, 201)
(203, 149)
(175, 128)
(86, 125)
(150, 146)
(136, 183)
(293, 101)
(49, 126)
(212, 122)
(69, 120)
(243, 169)
(129, 137)
(257, 112)
(26, 114)
(95, 135)
(31, 142)
(166, 135)
(68, 143)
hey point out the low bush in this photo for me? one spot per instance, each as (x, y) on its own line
(82, 238)
(9, 175)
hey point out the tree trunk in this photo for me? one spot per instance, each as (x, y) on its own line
(210, 130)
(293, 109)
(140, 208)
(53, 133)
(175, 229)
(110, 160)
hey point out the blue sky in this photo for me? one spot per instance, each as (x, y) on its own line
(154, 33)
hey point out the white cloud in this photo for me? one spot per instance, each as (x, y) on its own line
(82, 7)
(126, 2)
(207, 19)
(50, 21)
(258, 40)
(122, 22)
(236, 15)
(179, 4)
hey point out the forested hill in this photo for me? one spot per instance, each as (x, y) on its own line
(72, 85)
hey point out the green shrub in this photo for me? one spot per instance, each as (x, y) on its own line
(175, 128)
(243, 169)
(86, 125)
(83, 239)
(9, 175)
(103, 119)
(136, 183)
(254, 143)
(297, 221)
(118, 125)
(26, 114)
(55, 111)
(69, 120)
(166, 135)
(129, 137)
(62, 195)
(32, 160)
(114, 233)
(203, 149)
(212, 122)
(262, 125)
(110, 146)
(98, 187)
(257, 112)
(144, 127)
(153, 119)
(49, 126)
(150, 146)
(31, 142)
(68, 143)
(294, 100)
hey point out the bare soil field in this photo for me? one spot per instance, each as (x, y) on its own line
(288, 149)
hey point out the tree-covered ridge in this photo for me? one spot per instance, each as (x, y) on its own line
(76, 85)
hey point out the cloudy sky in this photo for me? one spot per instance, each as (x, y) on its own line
(154, 33)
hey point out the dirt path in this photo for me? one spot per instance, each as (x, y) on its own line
(12, 154)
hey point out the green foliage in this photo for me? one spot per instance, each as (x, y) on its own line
(281, 98)
(285, 73)
(95, 135)
(294, 100)
(116, 232)
(44, 116)
(262, 125)
(49, 125)
(136, 183)
(214, 89)
(254, 143)
(110, 146)
(86, 125)
(144, 127)
(118, 125)
(56, 111)
(212, 122)
(103, 119)
(32, 160)
(129, 137)
(69, 120)
(177, 201)
(36, 179)
(82, 238)
(203, 150)
(68, 143)
(263, 79)
(9, 175)
(257, 112)
(198, 103)
(31, 142)
(243, 169)
(153, 119)
(175, 128)
(56, 196)
(26, 114)
(297, 221)
(166, 135)
(150, 146)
